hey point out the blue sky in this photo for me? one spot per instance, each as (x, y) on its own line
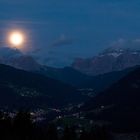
(63, 30)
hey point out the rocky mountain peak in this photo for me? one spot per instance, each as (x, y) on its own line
(114, 58)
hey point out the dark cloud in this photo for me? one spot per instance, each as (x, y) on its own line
(62, 41)
(9, 52)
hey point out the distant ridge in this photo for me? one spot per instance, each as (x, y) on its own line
(111, 59)
(34, 90)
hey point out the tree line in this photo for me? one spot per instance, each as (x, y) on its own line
(22, 127)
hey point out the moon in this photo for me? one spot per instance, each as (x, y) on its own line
(16, 39)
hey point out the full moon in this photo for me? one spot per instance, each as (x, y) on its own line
(16, 38)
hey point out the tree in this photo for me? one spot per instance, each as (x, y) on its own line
(22, 125)
(52, 132)
(69, 134)
(84, 135)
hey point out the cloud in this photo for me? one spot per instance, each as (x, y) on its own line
(126, 44)
(62, 41)
(24, 22)
(8, 52)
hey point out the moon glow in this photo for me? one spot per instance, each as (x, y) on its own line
(16, 39)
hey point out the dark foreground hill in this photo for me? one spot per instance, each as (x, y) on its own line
(21, 88)
(77, 79)
(119, 105)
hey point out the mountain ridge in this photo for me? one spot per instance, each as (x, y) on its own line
(111, 59)
(36, 86)
(119, 105)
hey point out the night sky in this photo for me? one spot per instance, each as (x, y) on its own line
(61, 30)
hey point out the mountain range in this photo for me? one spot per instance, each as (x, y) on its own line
(21, 88)
(79, 80)
(69, 75)
(111, 59)
(13, 57)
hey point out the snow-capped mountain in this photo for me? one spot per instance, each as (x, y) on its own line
(112, 59)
